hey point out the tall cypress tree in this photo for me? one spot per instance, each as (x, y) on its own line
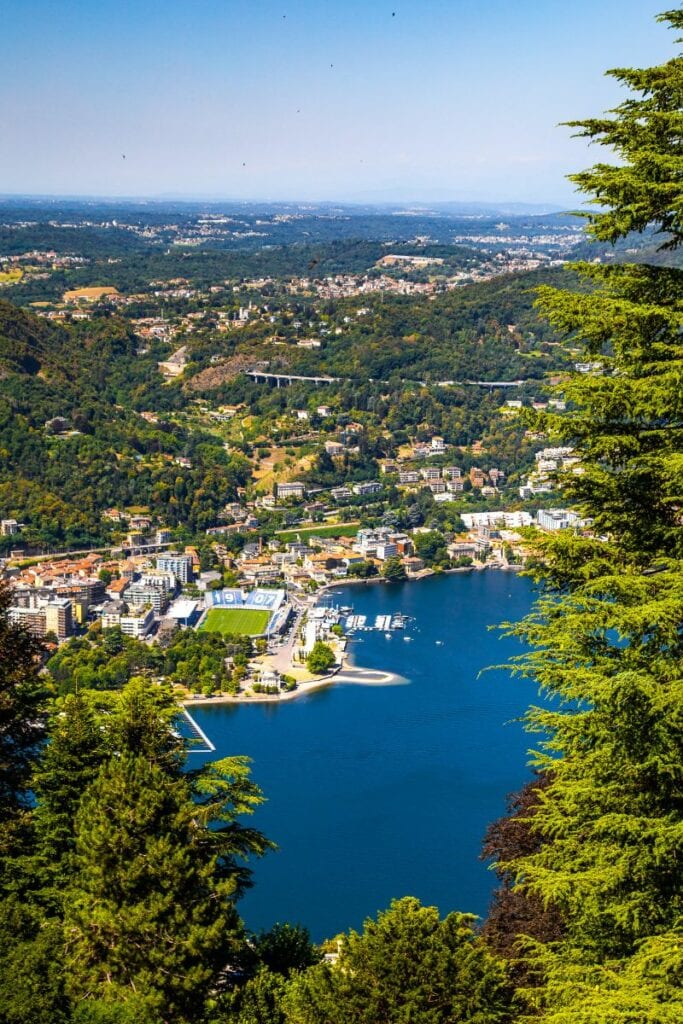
(155, 860)
(70, 763)
(21, 703)
(146, 919)
(606, 636)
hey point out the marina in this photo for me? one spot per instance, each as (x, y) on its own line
(382, 623)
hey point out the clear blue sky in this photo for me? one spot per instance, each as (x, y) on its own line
(310, 99)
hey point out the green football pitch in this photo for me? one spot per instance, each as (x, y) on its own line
(250, 621)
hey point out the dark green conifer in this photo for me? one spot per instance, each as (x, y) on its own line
(606, 636)
(75, 750)
(408, 965)
(146, 917)
(22, 700)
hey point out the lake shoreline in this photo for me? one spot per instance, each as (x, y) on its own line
(395, 771)
(355, 674)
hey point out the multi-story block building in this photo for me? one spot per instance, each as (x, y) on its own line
(289, 489)
(179, 565)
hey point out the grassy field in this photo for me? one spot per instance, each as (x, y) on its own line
(340, 530)
(272, 469)
(91, 294)
(11, 276)
(249, 621)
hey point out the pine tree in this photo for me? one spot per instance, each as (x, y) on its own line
(408, 965)
(72, 757)
(142, 724)
(21, 702)
(146, 918)
(605, 637)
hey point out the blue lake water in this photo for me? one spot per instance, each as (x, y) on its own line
(386, 791)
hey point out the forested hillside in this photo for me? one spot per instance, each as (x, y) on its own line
(75, 443)
(59, 477)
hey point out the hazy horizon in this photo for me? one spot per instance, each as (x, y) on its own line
(361, 201)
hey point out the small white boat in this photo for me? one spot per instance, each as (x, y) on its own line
(439, 643)
(387, 636)
(407, 639)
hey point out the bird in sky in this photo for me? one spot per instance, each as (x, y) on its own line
(123, 156)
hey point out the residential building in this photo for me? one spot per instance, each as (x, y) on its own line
(8, 527)
(59, 617)
(32, 619)
(140, 596)
(137, 622)
(116, 589)
(557, 519)
(367, 487)
(42, 611)
(289, 489)
(43, 615)
(334, 448)
(511, 520)
(265, 501)
(179, 565)
(535, 486)
(133, 622)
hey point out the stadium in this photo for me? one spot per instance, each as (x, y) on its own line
(254, 613)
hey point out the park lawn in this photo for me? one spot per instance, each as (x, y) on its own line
(340, 530)
(249, 621)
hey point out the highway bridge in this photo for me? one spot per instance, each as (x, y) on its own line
(287, 378)
(262, 377)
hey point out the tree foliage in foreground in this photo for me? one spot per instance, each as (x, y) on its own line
(407, 966)
(21, 701)
(606, 642)
(121, 907)
(145, 913)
